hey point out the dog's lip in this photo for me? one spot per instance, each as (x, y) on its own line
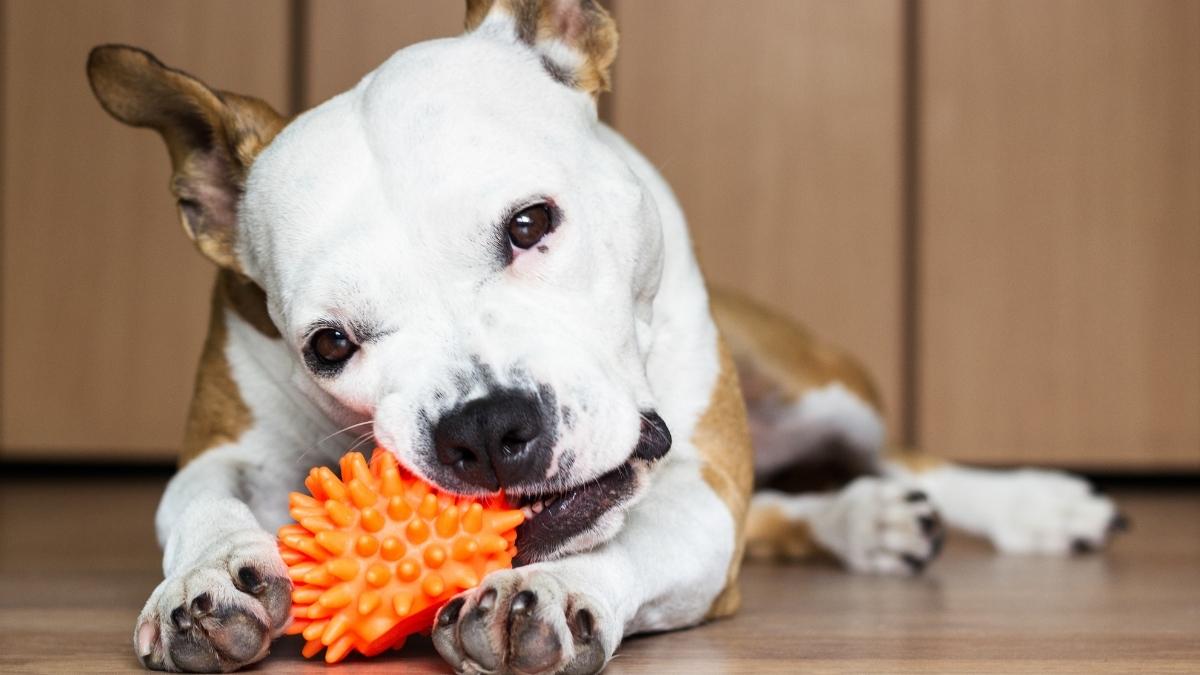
(563, 515)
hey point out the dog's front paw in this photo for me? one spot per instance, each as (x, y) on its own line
(220, 614)
(521, 621)
(1048, 512)
(881, 526)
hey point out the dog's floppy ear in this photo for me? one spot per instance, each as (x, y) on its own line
(577, 39)
(212, 136)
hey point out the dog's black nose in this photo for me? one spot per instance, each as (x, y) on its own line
(493, 442)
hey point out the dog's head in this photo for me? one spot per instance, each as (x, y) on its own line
(454, 249)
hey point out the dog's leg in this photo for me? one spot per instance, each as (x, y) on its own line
(568, 615)
(873, 525)
(1019, 511)
(225, 593)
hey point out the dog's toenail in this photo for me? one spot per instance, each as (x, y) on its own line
(487, 601)
(917, 565)
(449, 613)
(929, 524)
(181, 619)
(524, 602)
(202, 604)
(1119, 523)
(585, 624)
(916, 496)
(1081, 546)
(250, 580)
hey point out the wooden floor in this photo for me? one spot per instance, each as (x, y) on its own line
(77, 560)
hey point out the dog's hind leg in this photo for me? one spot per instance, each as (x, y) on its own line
(818, 435)
(819, 446)
(873, 525)
(1019, 511)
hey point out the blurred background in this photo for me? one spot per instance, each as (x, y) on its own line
(995, 203)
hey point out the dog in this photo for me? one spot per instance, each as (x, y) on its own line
(458, 261)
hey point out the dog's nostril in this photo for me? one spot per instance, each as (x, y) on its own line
(457, 455)
(512, 444)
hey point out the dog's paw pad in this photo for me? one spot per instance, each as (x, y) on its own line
(520, 621)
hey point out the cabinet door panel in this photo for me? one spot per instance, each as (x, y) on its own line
(1060, 232)
(346, 40)
(104, 300)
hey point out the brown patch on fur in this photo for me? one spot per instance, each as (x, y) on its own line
(247, 299)
(584, 25)
(912, 459)
(723, 439)
(217, 414)
(771, 535)
(212, 137)
(779, 358)
(477, 11)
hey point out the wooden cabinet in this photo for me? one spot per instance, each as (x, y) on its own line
(344, 41)
(1059, 232)
(995, 203)
(103, 302)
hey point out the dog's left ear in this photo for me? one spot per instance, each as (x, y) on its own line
(577, 39)
(212, 136)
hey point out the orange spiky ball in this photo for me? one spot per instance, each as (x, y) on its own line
(376, 553)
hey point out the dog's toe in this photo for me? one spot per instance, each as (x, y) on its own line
(520, 622)
(1046, 512)
(882, 526)
(221, 614)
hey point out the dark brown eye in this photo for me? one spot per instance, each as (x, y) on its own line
(529, 226)
(331, 346)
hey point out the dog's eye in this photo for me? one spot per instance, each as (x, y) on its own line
(528, 226)
(331, 346)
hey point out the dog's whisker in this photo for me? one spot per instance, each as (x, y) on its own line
(344, 430)
(339, 432)
(367, 437)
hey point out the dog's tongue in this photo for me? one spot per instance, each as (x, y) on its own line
(572, 513)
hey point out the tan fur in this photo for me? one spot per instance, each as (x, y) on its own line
(248, 300)
(771, 535)
(723, 439)
(590, 30)
(779, 358)
(217, 413)
(912, 459)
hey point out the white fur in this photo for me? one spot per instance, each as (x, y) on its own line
(1024, 511)
(382, 205)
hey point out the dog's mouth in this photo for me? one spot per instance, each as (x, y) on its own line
(554, 518)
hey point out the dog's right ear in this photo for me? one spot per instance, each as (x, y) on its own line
(212, 137)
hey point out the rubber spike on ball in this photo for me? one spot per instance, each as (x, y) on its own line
(375, 552)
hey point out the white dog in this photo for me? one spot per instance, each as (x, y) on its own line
(456, 257)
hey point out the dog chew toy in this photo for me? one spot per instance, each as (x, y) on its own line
(375, 553)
